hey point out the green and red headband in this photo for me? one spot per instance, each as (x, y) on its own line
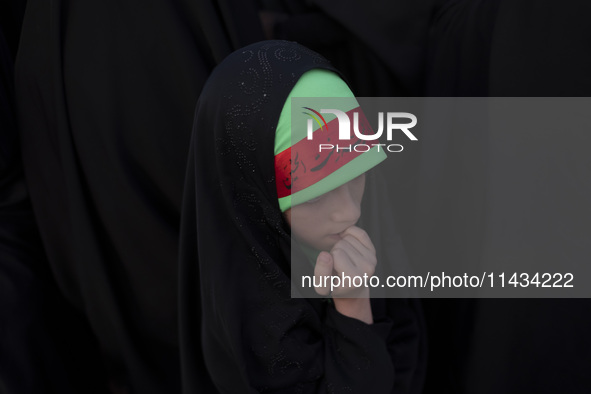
(303, 171)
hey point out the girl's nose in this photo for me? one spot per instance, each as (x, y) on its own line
(344, 207)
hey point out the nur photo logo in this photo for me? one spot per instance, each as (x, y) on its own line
(361, 130)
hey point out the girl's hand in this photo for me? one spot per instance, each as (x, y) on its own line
(353, 256)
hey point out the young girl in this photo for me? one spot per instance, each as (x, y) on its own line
(241, 330)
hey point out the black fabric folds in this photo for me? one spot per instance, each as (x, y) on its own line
(36, 353)
(508, 48)
(236, 314)
(105, 95)
(379, 46)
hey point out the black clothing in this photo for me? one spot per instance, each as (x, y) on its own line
(507, 48)
(106, 92)
(11, 19)
(378, 46)
(36, 353)
(237, 314)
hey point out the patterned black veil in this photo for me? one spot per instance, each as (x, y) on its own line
(240, 329)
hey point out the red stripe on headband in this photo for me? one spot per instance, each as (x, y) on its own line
(303, 164)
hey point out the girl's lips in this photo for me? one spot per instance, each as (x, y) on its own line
(337, 236)
(342, 233)
(334, 236)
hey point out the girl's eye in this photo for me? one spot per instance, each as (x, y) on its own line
(359, 178)
(314, 200)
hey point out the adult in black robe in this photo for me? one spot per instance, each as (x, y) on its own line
(237, 315)
(36, 353)
(379, 46)
(508, 48)
(105, 94)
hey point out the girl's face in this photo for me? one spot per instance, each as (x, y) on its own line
(319, 222)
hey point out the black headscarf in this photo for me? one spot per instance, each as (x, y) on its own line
(237, 316)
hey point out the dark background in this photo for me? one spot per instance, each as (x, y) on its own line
(97, 106)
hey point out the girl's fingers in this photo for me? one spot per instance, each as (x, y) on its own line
(360, 235)
(343, 263)
(353, 253)
(359, 247)
(323, 268)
